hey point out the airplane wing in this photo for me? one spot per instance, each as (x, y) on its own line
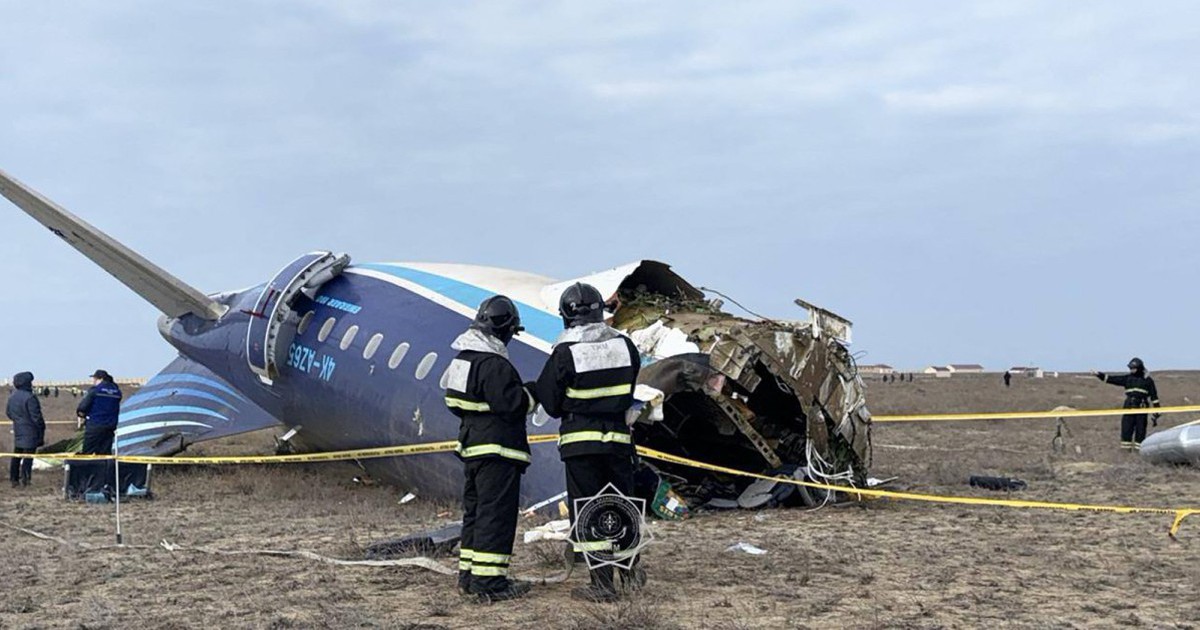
(169, 294)
(184, 404)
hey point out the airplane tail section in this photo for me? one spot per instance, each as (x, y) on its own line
(169, 294)
(184, 404)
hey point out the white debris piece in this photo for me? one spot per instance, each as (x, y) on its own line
(407, 497)
(647, 405)
(554, 530)
(747, 548)
(659, 341)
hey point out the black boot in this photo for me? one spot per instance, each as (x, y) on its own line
(464, 582)
(600, 589)
(633, 578)
(509, 590)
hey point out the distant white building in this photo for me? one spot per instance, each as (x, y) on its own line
(940, 371)
(881, 368)
(1035, 372)
(965, 368)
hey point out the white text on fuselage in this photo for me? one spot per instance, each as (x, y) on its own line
(338, 304)
(307, 360)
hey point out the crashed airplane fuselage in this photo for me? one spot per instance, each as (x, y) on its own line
(351, 356)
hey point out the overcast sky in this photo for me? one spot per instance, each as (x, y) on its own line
(994, 182)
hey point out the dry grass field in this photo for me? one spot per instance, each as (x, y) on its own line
(882, 564)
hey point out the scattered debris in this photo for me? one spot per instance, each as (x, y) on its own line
(530, 511)
(1178, 445)
(554, 530)
(721, 504)
(771, 493)
(655, 487)
(747, 548)
(406, 498)
(439, 543)
(1005, 484)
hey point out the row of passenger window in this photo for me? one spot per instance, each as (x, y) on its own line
(372, 347)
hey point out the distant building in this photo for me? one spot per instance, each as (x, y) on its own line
(939, 371)
(965, 368)
(1035, 372)
(881, 368)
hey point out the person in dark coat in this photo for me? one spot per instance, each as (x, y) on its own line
(99, 409)
(588, 383)
(28, 428)
(484, 389)
(1140, 393)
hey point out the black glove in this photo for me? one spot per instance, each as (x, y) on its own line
(1154, 418)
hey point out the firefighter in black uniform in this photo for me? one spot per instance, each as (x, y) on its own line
(1140, 393)
(588, 382)
(485, 390)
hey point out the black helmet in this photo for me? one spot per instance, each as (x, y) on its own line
(581, 304)
(498, 317)
(1137, 365)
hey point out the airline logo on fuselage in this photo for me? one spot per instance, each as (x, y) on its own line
(338, 304)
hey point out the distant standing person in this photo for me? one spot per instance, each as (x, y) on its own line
(1007, 378)
(28, 428)
(99, 409)
(1140, 393)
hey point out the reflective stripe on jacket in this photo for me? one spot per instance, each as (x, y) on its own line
(485, 391)
(588, 382)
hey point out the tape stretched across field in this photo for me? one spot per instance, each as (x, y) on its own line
(957, 417)
(1179, 514)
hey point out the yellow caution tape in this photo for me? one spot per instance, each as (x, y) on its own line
(1178, 513)
(1018, 415)
(1001, 415)
(440, 447)
(299, 458)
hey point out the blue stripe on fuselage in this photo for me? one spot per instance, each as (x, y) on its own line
(146, 396)
(537, 322)
(172, 378)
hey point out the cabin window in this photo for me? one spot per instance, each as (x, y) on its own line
(326, 328)
(305, 322)
(426, 365)
(372, 346)
(348, 338)
(398, 355)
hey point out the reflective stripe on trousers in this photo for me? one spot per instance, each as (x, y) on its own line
(480, 450)
(594, 436)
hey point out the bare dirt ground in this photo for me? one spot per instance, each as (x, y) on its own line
(879, 564)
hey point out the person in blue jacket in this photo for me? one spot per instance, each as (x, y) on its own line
(99, 409)
(28, 427)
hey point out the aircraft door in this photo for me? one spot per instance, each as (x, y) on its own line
(273, 322)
